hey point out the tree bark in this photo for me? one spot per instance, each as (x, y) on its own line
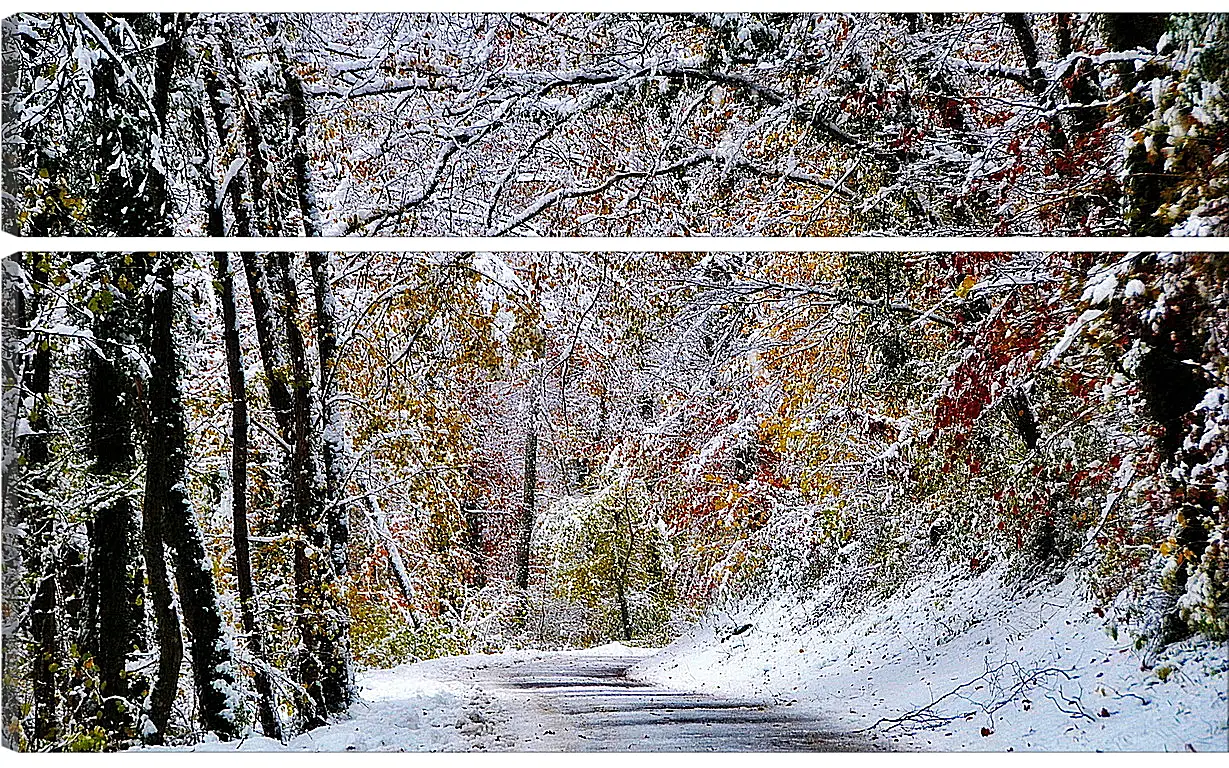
(1081, 85)
(111, 635)
(132, 196)
(224, 286)
(323, 627)
(268, 216)
(622, 563)
(1023, 417)
(334, 450)
(1144, 179)
(233, 126)
(528, 496)
(324, 668)
(1023, 30)
(213, 665)
(475, 520)
(133, 201)
(22, 311)
(166, 618)
(270, 341)
(334, 437)
(266, 704)
(378, 523)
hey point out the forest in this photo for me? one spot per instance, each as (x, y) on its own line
(614, 124)
(241, 490)
(274, 469)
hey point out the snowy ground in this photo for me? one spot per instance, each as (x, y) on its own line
(451, 704)
(556, 701)
(970, 665)
(402, 710)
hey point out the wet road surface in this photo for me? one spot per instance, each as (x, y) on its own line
(587, 703)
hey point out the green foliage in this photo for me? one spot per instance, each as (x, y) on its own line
(1204, 603)
(92, 740)
(381, 636)
(608, 558)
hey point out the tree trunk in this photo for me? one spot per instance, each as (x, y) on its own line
(475, 520)
(300, 160)
(1081, 85)
(250, 206)
(226, 118)
(334, 452)
(213, 665)
(378, 523)
(255, 213)
(267, 710)
(528, 495)
(265, 203)
(622, 564)
(166, 619)
(1023, 417)
(224, 285)
(324, 663)
(270, 341)
(1144, 178)
(37, 516)
(45, 630)
(111, 634)
(132, 195)
(334, 437)
(1023, 30)
(133, 201)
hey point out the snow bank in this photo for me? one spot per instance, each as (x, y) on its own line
(402, 710)
(963, 664)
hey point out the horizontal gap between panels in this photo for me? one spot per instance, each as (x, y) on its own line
(625, 244)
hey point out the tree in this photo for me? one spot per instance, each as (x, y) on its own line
(167, 504)
(113, 582)
(225, 285)
(28, 451)
(646, 123)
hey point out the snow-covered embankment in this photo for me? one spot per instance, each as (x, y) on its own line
(964, 664)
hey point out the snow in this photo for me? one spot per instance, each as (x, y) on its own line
(429, 706)
(231, 170)
(401, 710)
(1101, 287)
(1009, 670)
(955, 662)
(1070, 335)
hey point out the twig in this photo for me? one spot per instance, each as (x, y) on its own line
(928, 717)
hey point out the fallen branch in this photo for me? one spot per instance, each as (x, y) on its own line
(929, 717)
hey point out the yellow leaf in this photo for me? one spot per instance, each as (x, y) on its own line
(966, 286)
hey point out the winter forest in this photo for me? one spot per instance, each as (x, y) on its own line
(614, 124)
(616, 500)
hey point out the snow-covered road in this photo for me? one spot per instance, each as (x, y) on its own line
(971, 664)
(552, 701)
(584, 701)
